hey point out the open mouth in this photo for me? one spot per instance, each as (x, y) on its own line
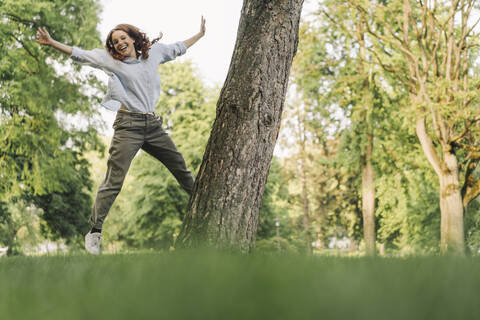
(122, 48)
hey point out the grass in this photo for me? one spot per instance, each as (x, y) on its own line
(206, 285)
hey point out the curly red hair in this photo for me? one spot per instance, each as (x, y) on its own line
(142, 43)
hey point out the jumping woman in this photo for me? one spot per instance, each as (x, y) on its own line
(131, 61)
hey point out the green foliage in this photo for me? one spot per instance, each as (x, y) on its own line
(7, 231)
(66, 213)
(188, 109)
(274, 205)
(472, 227)
(157, 203)
(345, 95)
(409, 211)
(19, 227)
(38, 148)
(275, 245)
(339, 104)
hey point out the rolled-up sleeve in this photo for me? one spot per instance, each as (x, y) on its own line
(97, 58)
(166, 52)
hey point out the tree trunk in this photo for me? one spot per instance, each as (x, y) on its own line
(451, 207)
(223, 210)
(451, 204)
(303, 175)
(368, 199)
(306, 217)
(306, 209)
(368, 182)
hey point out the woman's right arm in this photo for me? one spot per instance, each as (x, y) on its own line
(96, 58)
(43, 37)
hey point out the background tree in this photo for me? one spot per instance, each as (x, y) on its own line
(313, 137)
(432, 51)
(337, 79)
(326, 73)
(41, 150)
(227, 195)
(65, 212)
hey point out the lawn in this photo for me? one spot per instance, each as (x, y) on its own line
(206, 285)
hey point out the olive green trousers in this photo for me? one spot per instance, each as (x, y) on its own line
(134, 131)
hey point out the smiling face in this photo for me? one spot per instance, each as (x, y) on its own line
(123, 44)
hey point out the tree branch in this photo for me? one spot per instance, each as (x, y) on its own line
(393, 71)
(472, 191)
(399, 45)
(428, 147)
(25, 47)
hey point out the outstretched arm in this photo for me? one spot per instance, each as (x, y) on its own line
(96, 58)
(43, 37)
(191, 41)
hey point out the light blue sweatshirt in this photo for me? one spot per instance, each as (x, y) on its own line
(133, 83)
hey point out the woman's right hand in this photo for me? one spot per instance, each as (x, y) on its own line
(43, 37)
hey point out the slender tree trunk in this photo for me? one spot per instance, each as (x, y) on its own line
(368, 199)
(306, 216)
(303, 175)
(368, 178)
(451, 204)
(223, 210)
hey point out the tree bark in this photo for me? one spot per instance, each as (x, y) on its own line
(368, 199)
(223, 210)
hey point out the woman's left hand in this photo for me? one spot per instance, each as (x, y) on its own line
(191, 41)
(202, 27)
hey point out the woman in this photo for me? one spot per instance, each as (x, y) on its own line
(131, 61)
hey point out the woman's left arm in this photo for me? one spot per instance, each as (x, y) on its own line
(191, 41)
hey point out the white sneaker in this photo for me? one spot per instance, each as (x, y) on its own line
(93, 242)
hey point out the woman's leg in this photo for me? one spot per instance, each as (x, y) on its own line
(126, 141)
(160, 145)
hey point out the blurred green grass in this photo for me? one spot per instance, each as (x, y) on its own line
(213, 285)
